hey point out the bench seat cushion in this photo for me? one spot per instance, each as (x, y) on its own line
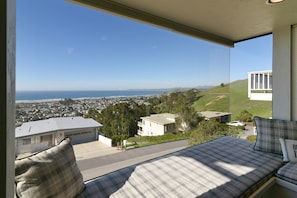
(288, 172)
(226, 166)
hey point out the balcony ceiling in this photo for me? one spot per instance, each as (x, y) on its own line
(220, 21)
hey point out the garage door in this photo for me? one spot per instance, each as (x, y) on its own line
(81, 137)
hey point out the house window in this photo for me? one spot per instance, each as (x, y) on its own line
(46, 138)
(26, 141)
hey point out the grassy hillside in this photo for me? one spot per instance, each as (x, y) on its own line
(214, 99)
(232, 98)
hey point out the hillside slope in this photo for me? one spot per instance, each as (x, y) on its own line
(232, 98)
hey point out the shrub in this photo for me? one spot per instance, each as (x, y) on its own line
(252, 138)
(209, 130)
(245, 116)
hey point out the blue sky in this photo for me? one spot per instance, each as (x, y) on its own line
(63, 46)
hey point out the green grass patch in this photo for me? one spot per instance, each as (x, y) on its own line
(151, 140)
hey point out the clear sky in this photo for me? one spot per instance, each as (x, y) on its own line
(63, 46)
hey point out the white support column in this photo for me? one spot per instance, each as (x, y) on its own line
(281, 67)
(7, 96)
(294, 72)
(249, 84)
(254, 87)
(263, 80)
(268, 80)
(259, 81)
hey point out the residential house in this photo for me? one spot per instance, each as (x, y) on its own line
(157, 124)
(225, 22)
(222, 117)
(260, 85)
(35, 135)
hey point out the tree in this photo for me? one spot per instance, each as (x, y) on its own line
(121, 119)
(174, 101)
(245, 116)
(209, 130)
(92, 113)
(188, 118)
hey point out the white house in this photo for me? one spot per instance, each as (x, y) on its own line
(260, 85)
(36, 135)
(221, 117)
(157, 124)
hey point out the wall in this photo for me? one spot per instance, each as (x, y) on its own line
(152, 129)
(281, 68)
(261, 96)
(105, 140)
(294, 72)
(30, 148)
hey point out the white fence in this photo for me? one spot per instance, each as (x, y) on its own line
(105, 140)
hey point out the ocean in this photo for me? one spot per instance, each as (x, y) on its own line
(26, 96)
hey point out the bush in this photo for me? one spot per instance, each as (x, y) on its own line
(209, 130)
(117, 138)
(252, 138)
(245, 116)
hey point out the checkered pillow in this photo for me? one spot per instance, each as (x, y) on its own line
(269, 131)
(50, 173)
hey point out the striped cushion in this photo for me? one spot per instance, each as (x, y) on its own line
(50, 173)
(269, 131)
(288, 172)
(226, 167)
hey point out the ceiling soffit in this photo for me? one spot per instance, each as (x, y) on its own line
(223, 21)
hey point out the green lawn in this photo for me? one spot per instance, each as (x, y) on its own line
(150, 140)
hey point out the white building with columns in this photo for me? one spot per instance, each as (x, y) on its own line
(260, 85)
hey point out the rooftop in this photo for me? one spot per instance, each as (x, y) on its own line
(213, 114)
(54, 124)
(164, 118)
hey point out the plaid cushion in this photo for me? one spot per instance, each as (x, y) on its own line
(288, 172)
(270, 130)
(50, 173)
(226, 167)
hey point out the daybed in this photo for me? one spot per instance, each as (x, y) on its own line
(225, 167)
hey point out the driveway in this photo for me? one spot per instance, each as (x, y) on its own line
(249, 130)
(92, 150)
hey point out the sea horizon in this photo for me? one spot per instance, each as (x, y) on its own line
(52, 95)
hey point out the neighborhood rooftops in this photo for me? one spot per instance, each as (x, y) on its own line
(54, 124)
(163, 118)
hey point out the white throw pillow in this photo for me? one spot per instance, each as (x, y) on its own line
(284, 149)
(291, 147)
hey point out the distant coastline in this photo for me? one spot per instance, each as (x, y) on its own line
(40, 96)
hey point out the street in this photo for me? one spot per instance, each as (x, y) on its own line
(97, 166)
(101, 165)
